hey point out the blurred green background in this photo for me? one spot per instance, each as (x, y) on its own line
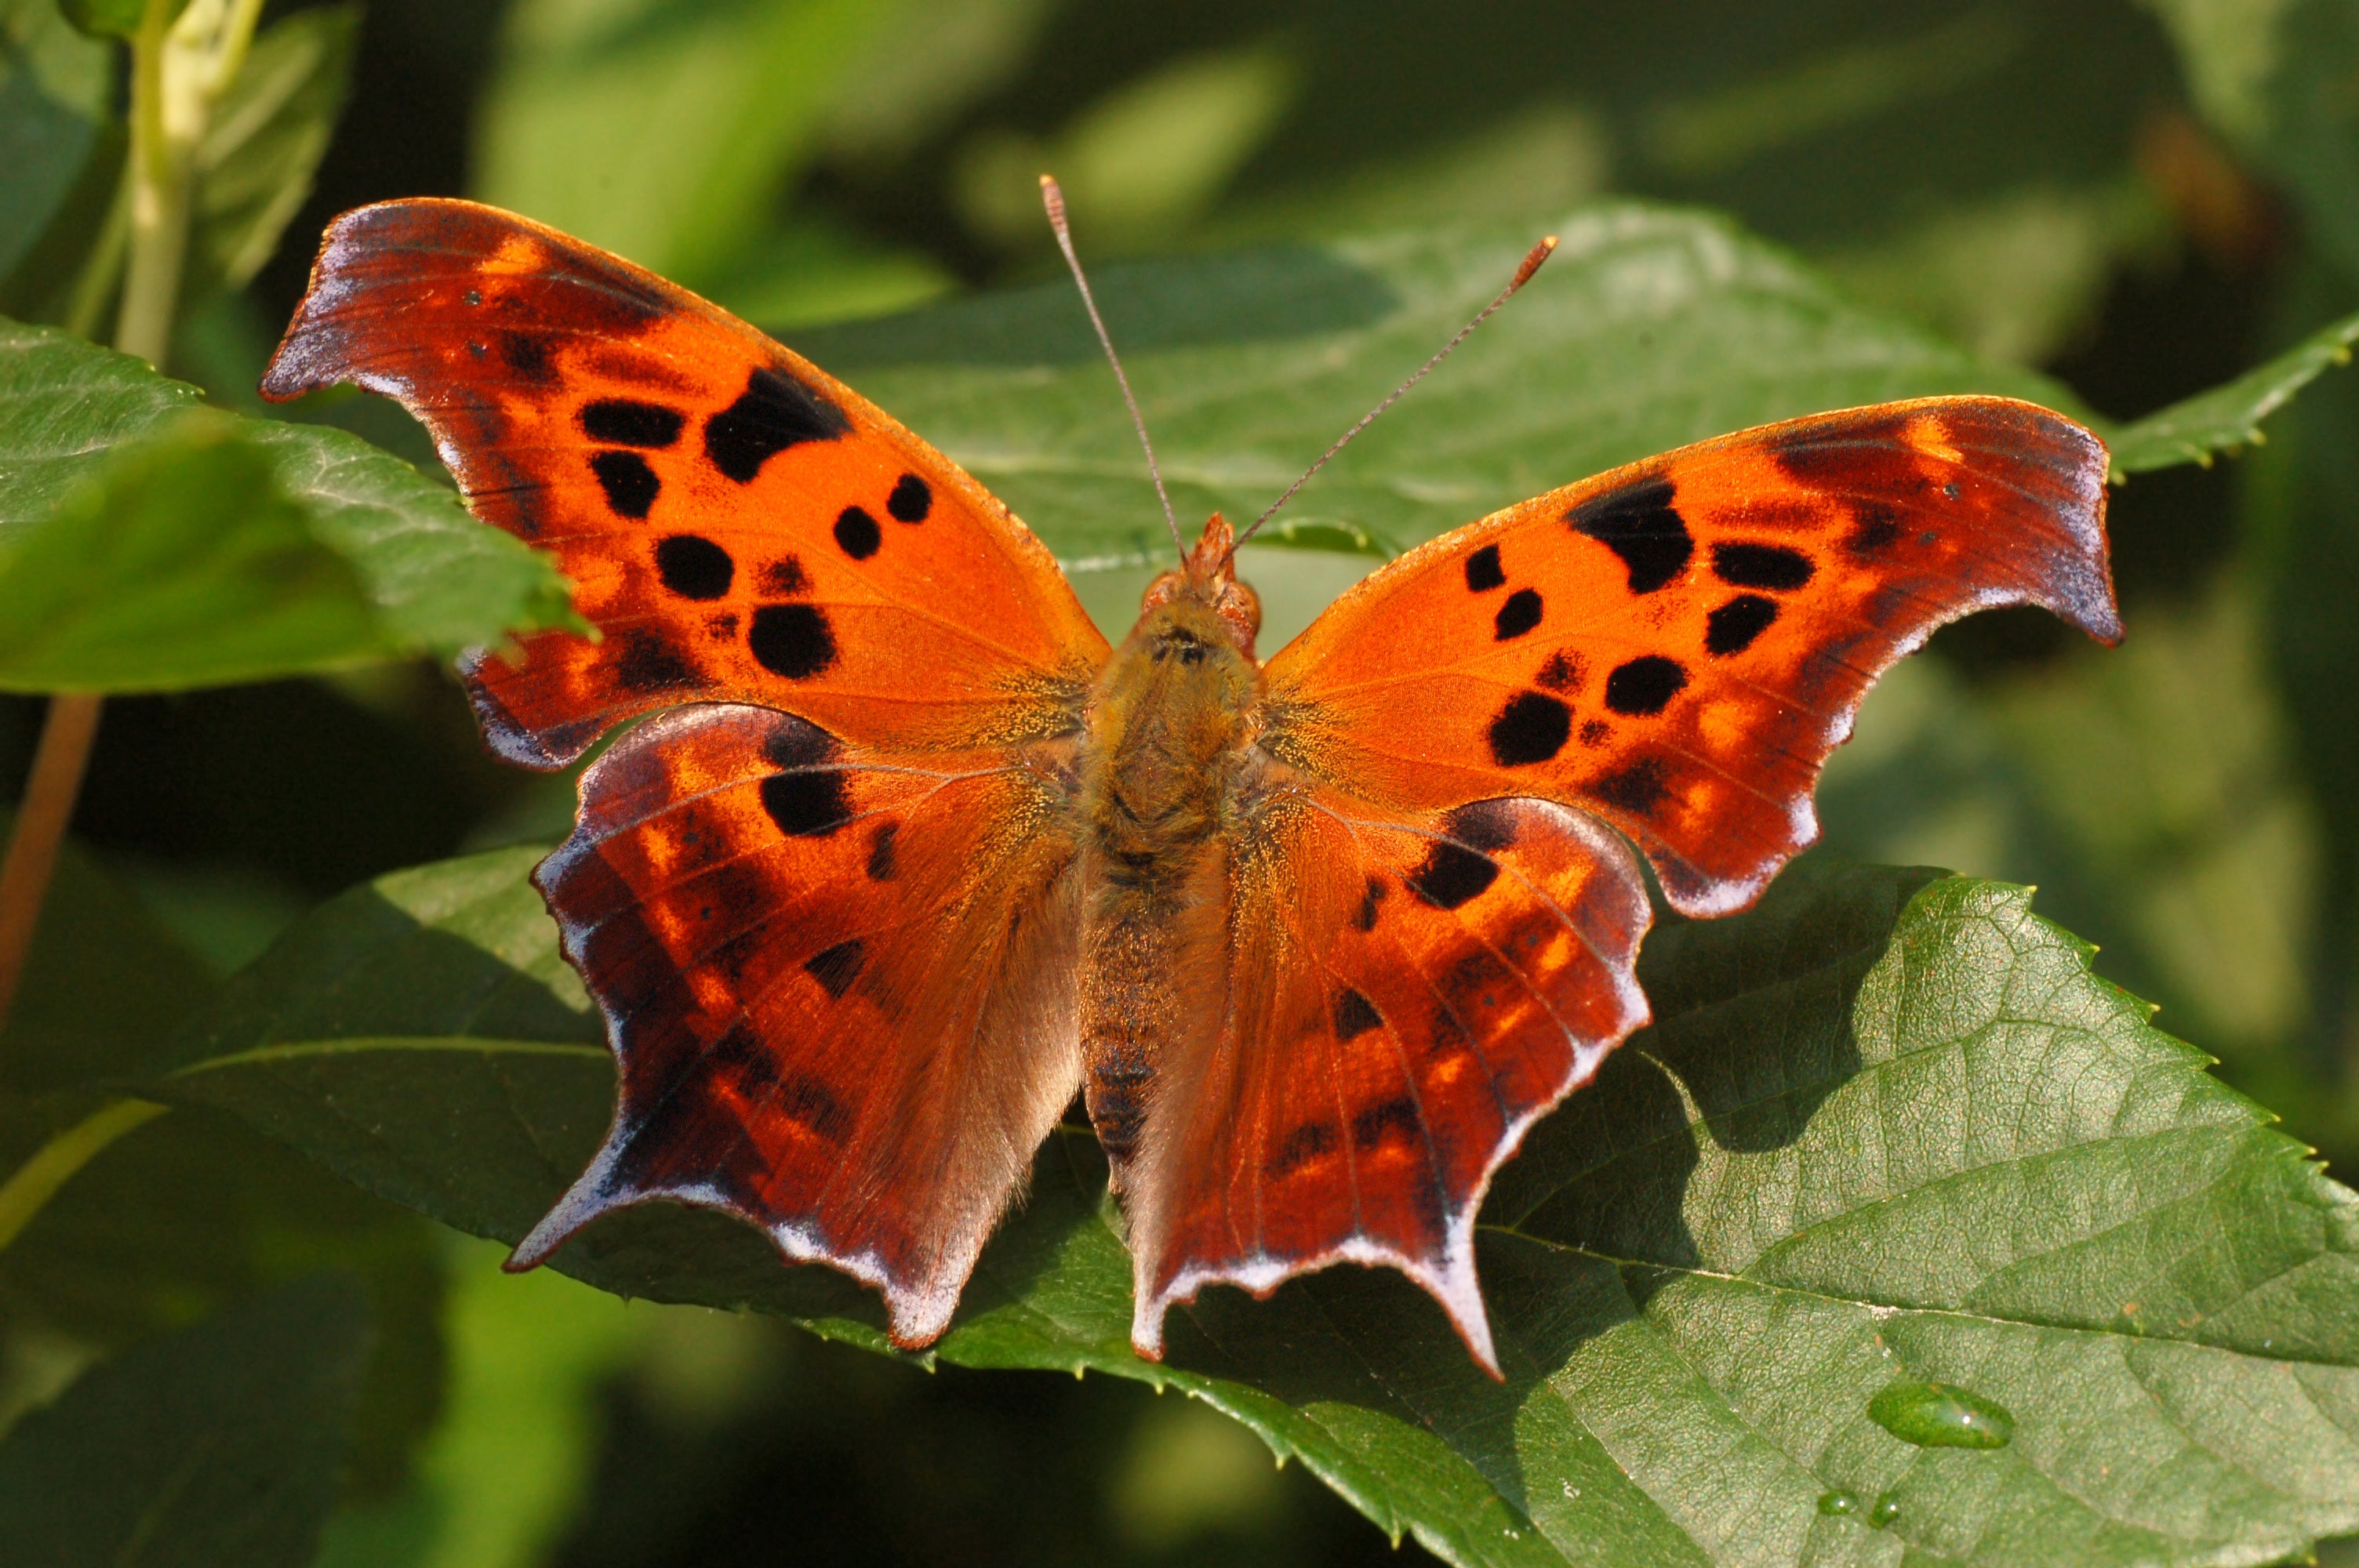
(2142, 199)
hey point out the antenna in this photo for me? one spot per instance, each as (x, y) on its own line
(1054, 201)
(1531, 265)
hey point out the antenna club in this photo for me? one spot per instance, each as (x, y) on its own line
(1539, 254)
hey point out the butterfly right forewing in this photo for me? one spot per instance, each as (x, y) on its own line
(1675, 646)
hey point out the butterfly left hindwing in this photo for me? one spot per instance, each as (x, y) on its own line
(841, 990)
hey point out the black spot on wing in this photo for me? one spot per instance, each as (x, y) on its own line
(856, 534)
(630, 485)
(1563, 672)
(1638, 522)
(838, 966)
(1638, 789)
(649, 663)
(1364, 918)
(1311, 1140)
(1483, 570)
(1354, 1015)
(792, 744)
(805, 1099)
(1394, 1118)
(1531, 728)
(1595, 731)
(880, 852)
(1761, 565)
(792, 640)
(1455, 870)
(1732, 628)
(694, 568)
(740, 1055)
(527, 354)
(1519, 615)
(808, 803)
(773, 412)
(625, 421)
(783, 578)
(1874, 530)
(912, 500)
(1646, 685)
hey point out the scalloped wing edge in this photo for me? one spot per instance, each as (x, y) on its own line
(1451, 1282)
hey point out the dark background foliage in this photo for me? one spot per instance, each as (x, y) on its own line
(2122, 194)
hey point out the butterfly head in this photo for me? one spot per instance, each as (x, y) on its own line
(1208, 574)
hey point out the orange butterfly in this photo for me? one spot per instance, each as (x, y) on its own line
(909, 855)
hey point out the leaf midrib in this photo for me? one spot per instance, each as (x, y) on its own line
(1881, 1310)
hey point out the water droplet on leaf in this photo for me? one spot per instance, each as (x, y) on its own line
(1886, 1510)
(1837, 1504)
(1940, 1416)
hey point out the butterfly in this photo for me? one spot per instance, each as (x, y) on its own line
(903, 854)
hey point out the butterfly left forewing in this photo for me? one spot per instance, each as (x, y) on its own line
(840, 990)
(1677, 645)
(1398, 1000)
(738, 524)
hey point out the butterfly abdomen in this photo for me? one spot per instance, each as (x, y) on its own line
(1170, 730)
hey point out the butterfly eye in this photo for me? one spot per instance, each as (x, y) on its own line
(1248, 603)
(1163, 590)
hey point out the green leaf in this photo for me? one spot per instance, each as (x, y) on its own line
(661, 129)
(1648, 328)
(216, 1445)
(188, 1214)
(54, 87)
(106, 985)
(265, 138)
(113, 18)
(2229, 416)
(2149, 790)
(1887, 1128)
(184, 565)
(429, 577)
(2302, 520)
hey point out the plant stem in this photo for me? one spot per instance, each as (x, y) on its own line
(159, 167)
(23, 1194)
(42, 822)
